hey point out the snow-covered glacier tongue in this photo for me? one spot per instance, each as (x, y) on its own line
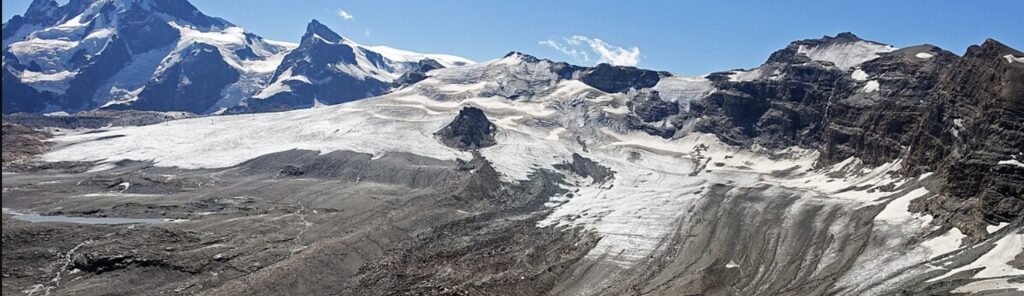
(527, 176)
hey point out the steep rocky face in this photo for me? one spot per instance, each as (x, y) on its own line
(783, 110)
(193, 84)
(878, 126)
(469, 131)
(958, 117)
(650, 107)
(96, 70)
(973, 135)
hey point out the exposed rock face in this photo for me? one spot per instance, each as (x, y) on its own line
(971, 135)
(417, 73)
(937, 112)
(650, 107)
(469, 131)
(879, 126)
(610, 78)
(585, 167)
(175, 90)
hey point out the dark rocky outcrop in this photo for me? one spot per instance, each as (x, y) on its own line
(610, 78)
(650, 107)
(417, 73)
(585, 167)
(21, 144)
(469, 131)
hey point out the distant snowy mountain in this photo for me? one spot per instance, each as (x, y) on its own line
(330, 69)
(166, 55)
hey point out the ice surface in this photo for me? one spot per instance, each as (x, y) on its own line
(399, 55)
(845, 55)
(682, 89)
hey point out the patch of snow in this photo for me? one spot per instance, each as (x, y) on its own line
(897, 212)
(745, 75)
(1013, 59)
(278, 86)
(283, 44)
(989, 285)
(399, 55)
(871, 86)
(1013, 162)
(924, 176)
(995, 228)
(923, 55)
(945, 243)
(995, 262)
(57, 114)
(56, 82)
(859, 75)
(100, 34)
(847, 54)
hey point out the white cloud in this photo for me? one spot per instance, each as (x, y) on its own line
(580, 47)
(572, 52)
(344, 14)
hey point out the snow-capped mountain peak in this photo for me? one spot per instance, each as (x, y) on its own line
(328, 68)
(316, 30)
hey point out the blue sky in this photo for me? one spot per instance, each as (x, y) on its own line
(686, 37)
